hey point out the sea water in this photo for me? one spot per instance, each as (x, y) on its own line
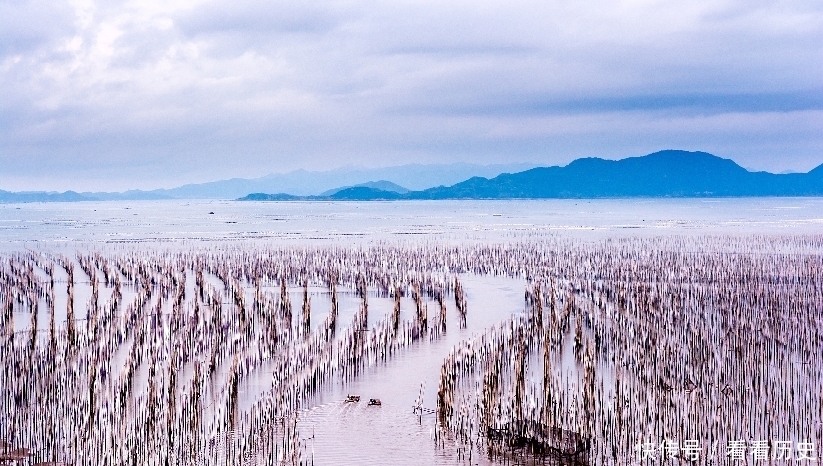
(53, 224)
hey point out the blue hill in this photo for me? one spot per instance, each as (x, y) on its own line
(42, 196)
(354, 193)
(670, 173)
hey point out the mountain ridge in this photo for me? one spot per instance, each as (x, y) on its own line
(668, 173)
(308, 183)
(381, 185)
(41, 196)
(297, 182)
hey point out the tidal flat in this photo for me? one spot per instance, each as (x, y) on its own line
(448, 332)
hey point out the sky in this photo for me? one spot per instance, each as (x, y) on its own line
(115, 95)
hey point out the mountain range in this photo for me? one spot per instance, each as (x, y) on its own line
(670, 173)
(296, 183)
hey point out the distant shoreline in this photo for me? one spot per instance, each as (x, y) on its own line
(4, 204)
(661, 175)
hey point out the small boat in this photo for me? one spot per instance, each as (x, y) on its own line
(375, 402)
(353, 399)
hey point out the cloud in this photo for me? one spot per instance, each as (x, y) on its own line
(27, 26)
(115, 95)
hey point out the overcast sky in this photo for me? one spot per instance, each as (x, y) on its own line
(156, 93)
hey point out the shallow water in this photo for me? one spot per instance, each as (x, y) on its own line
(26, 225)
(336, 432)
(355, 433)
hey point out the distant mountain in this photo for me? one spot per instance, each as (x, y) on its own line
(297, 183)
(662, 174)
(669, 173)
(41, 196)
(364, 193)
(381, 185)
(308, 183)
(354, 193)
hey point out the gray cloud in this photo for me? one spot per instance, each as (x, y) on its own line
(117, 95)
